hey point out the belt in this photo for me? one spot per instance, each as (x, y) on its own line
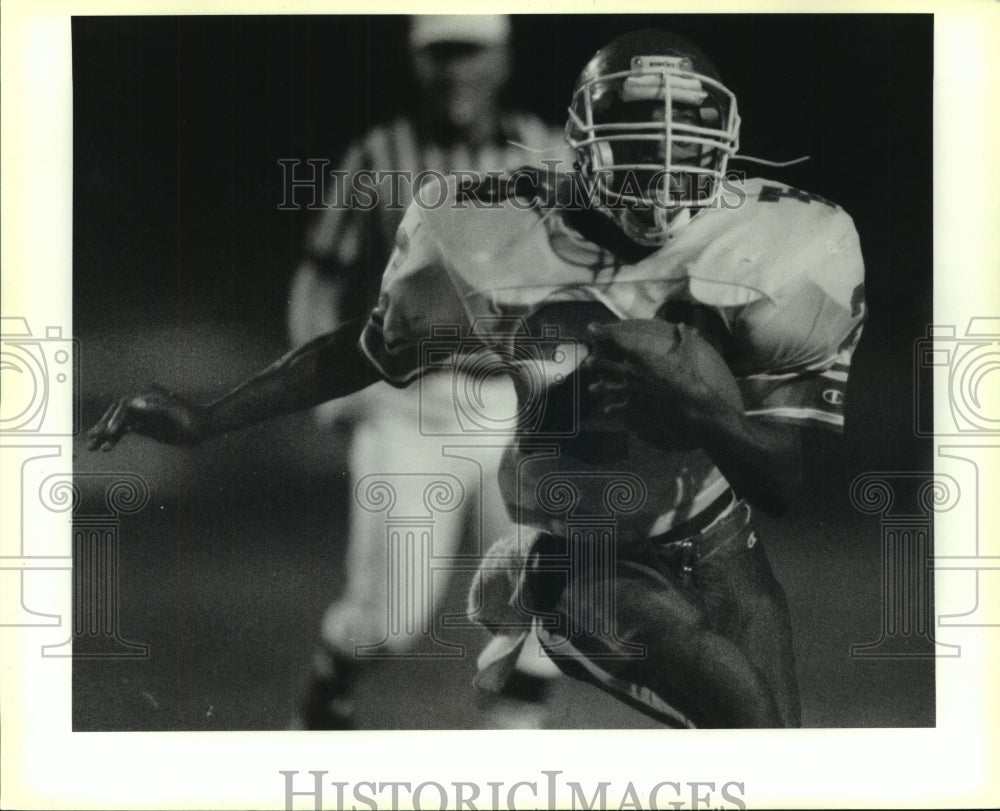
(699, 523)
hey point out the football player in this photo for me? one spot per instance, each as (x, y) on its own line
(670, 328)
(458, 124)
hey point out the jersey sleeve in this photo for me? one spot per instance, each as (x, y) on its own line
(803, 336)
(419, 312)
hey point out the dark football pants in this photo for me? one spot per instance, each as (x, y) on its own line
(700, 633)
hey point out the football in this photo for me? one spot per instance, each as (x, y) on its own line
(674, 373)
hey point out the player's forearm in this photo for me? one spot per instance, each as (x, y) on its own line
(761, 460)
(328, 367)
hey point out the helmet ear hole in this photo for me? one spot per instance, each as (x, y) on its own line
(710, 116)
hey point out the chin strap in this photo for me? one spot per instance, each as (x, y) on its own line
(654, 237)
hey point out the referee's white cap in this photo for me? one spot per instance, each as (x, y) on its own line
(480, 29)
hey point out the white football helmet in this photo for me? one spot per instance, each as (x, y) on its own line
(653, 129)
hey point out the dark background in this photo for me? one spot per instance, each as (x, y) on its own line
(181, 267)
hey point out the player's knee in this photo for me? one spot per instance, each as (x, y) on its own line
(495, 595)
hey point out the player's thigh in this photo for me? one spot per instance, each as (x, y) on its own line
(661, 646)
(746, 602)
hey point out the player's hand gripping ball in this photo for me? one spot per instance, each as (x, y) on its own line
(156, 413)
(659, 372)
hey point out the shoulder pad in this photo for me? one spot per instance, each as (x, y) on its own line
(524, 183)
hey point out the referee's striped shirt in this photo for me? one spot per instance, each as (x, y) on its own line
(358, 239)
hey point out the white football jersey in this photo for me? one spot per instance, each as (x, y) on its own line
(777, 271)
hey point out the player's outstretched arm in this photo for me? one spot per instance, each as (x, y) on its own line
(328, 367)
(683, 373)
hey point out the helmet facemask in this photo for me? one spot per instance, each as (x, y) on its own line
(653, 141)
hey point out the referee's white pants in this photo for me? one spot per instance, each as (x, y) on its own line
(419, 496)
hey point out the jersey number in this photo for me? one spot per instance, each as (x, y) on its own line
(774, 194)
